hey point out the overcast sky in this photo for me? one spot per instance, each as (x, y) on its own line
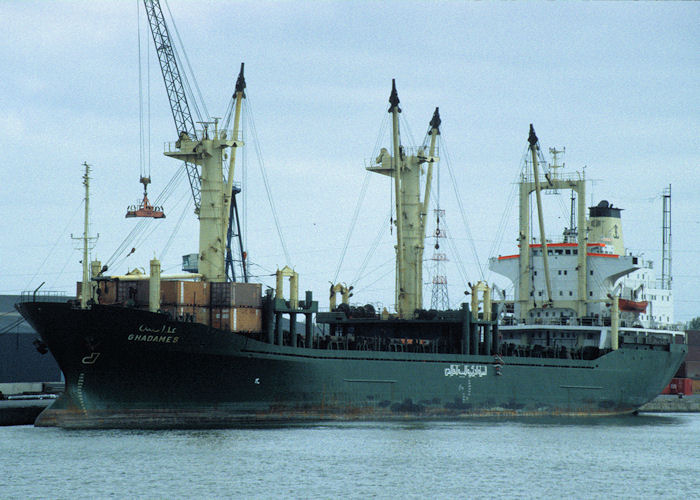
(617, 84)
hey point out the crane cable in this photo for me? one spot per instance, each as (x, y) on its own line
(142, 147)
(141, 226)
(261, 163)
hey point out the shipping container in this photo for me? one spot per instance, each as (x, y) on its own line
(693, 353)
(681, 372)
(130, 293)
(220, 294)
(194, 293)
(696, 386)
(237, 319)
(106, 291)
(246, 294)
(221, 317)
(169, 292)
(692, 369)
(246, 319)
(236, 294)
(693, 337)
(202, 315)
(679, 386)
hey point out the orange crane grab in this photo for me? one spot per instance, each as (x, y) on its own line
(144, 208)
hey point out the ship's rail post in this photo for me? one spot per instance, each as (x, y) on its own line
(474, 338)
(309, 326)
(279, 334)
(466, 329)
(293, 306)
(494, 329)
(293, 329)
(269, 316)
(154, 286)
(488, 341)
(615, 323)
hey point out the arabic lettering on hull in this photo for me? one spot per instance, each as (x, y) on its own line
(466, 371)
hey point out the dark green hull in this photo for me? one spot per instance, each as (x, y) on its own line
(130, 368)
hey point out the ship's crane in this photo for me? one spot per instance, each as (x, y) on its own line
(186, 131)
(174, 87)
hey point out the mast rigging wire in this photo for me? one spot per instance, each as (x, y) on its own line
(261, 163)
(502, 223)
(372, 249)
(55, 243)
(353, 222)
(381, 277)
(169, 243)
(461, 208)
(363, 191)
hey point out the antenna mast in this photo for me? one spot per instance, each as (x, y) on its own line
(85, 294)
(666, 277)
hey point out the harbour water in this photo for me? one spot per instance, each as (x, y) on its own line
(644, 456)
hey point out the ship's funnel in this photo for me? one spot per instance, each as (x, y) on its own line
(606, 226)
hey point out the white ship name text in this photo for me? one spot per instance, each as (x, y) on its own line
(163, 334)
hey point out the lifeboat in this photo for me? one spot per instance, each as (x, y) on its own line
(633, 305)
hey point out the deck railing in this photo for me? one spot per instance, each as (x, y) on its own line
(48, 296)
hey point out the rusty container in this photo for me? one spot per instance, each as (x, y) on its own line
(128, 291)
(142, 296)
(221, 317)
(169, 292)
(202, 315)
(194, 292)
(246, 295)
(246, 319)
(220, 294)
(106, 292)
(692, 369)
(696, 386)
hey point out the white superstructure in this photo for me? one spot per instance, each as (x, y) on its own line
(573, 281)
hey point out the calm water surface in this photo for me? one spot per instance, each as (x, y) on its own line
(648, 456)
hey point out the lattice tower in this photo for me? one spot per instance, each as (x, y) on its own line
(439, 299)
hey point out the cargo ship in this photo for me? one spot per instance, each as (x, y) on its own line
(199, 349)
